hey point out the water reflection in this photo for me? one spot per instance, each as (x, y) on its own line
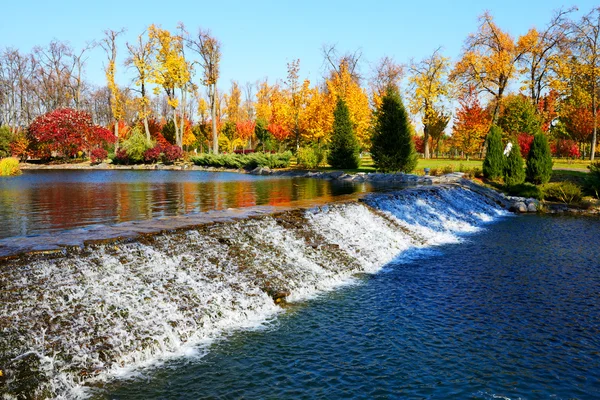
(48, 201)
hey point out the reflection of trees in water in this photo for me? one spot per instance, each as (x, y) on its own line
(41, 205)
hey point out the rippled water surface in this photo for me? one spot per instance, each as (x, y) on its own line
(513, 312)
(49, 201)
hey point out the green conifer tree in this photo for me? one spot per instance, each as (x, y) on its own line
(392, 146)
(493, 164)
(539, 160)
(514, 173)
(344, 150)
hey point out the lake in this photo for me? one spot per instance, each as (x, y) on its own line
(47, 201)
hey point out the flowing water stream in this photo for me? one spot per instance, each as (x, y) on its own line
(159, 309)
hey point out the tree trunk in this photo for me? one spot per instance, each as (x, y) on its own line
(213, 113)
(146, 128)
(426, 141)
(117, 136)
(594, 113)
(180, 138)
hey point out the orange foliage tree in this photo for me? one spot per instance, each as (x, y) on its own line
(471, 125)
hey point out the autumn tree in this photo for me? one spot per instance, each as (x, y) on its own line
(489, 60)
(66, 131)
(209, 50)
(171, 72)
(140, 58)
(586, 45)
(296, 99)
(317, 119)
(471, 125)
(342, 84)
(233, 103)
(385, 73)
(544, 54)
(392, 147)
(428, 87)
(518, 115)
(109, 44)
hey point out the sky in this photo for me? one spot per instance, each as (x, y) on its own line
(259, 37)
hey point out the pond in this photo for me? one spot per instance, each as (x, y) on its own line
(47, 201)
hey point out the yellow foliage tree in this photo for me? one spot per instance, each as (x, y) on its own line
(429, 86)
(342, 84)
(171, 72)
(140, 58)
(489, 60)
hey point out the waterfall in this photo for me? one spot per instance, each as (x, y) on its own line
(93, 313)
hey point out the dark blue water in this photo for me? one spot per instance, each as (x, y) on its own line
(513, 312)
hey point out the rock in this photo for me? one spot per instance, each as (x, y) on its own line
(519, 207)
(335, 174)
(532, 207)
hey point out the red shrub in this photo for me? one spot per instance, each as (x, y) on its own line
(172, 153)
(153, 155)
(525, 141)
(98, 155)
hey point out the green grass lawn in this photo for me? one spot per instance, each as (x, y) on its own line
(366, 164)
(562, 163)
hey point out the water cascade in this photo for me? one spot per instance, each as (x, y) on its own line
(72, 320)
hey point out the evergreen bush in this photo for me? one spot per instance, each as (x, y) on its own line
(539, 160)
(565, 192)
(344, 150)
(310, 157)
(493, 164)
(136, 145)
(6, 138)
(393, 148)
(593, 179)
(514, 173)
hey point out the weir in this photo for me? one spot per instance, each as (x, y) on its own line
(74, 319)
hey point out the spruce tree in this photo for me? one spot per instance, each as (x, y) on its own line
(344, 150)
(493, 164)
(514, 173)
(539, 160)
(392, 146)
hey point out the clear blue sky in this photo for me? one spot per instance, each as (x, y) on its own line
(260, 37)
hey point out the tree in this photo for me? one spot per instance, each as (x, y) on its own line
(493, 164)
(386, 73)
(344, 150)
(587, 47)
(428, 86)
(539, 160)
(209, 49)
(489, 60)
(171, 72)
(518, 115)
(392, 146)
(233, 103)
(66, 131)
(342, 84)
(109, 44)
(471, 125)
(140, 58)
(6, 137)
(544, 54)
(514, 173)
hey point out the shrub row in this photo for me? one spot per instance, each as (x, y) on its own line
(246, 161)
